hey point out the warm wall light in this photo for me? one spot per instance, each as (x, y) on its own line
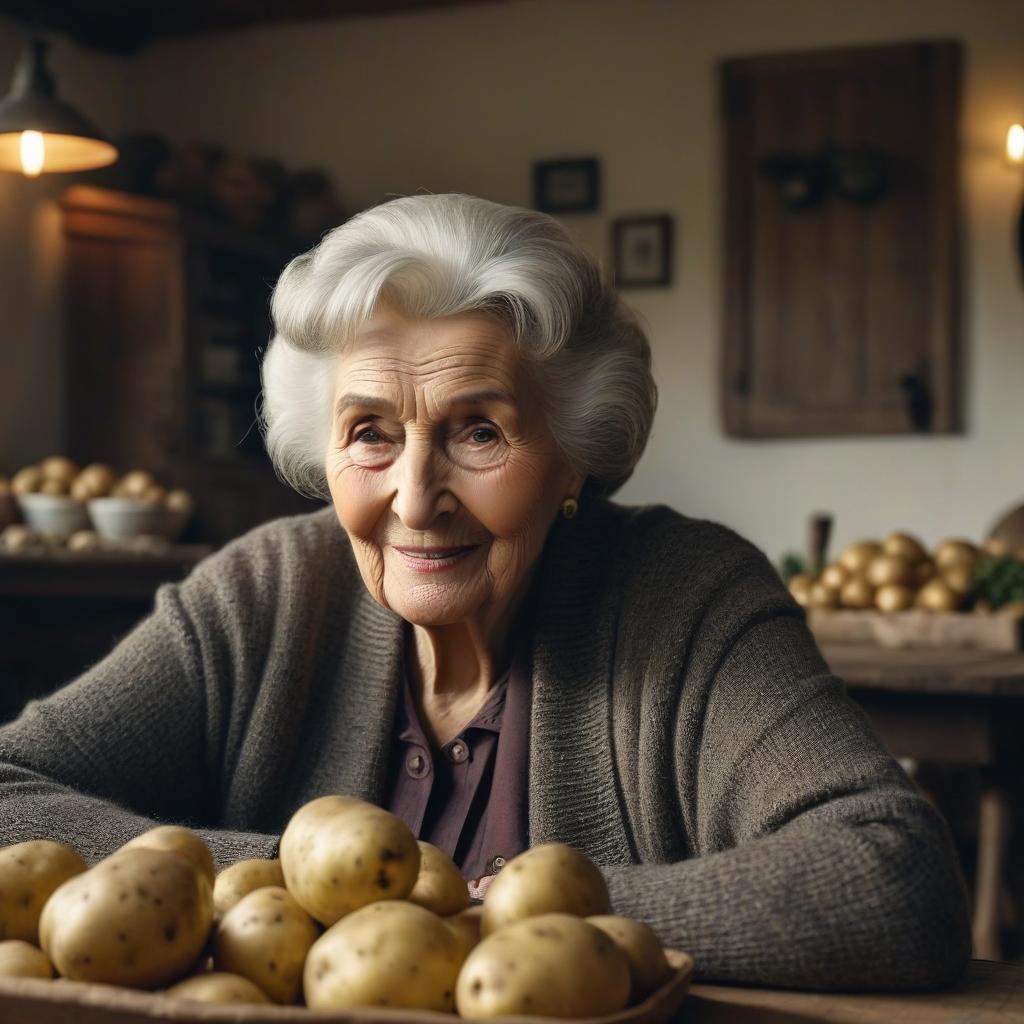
(1015, 157)
(1015, 144)
(38, 132)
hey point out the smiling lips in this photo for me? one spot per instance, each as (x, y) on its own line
(434, 559)
(436, 553)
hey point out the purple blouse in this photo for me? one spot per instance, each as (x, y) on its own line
(468, 798)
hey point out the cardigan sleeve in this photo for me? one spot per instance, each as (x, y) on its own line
(130, 744)
(815, 863)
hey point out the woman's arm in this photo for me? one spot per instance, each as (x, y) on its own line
(133, 742)
(818, 865)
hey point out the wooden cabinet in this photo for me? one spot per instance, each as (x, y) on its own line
(167, 321)
(840, 297)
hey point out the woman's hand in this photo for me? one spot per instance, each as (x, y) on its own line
(478, 887)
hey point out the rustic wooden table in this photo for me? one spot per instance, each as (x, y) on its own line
(62, 611)
(952, 706)
(989, 992)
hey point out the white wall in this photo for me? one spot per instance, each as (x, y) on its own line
(466, 98)
(32, 381)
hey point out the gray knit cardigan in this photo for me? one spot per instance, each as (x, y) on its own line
(685, 733)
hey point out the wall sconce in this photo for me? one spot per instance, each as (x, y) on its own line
(1015, 158)
(858, 174)
(40, 133)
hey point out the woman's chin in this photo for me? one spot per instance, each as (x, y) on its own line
(431, 609)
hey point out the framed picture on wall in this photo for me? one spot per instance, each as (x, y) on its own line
(566, 186)
(642, 251)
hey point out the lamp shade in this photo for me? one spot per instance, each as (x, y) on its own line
(69, 141)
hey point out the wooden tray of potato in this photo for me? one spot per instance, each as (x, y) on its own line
(32, 1001)
(356, 918)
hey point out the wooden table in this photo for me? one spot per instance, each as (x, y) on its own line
(61, 611)
(959, 707)
(989, 992)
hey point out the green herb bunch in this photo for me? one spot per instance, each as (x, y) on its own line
(790, 565)
(1000, 580)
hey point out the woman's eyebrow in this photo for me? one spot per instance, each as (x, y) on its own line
(347, 401)
(364, 401)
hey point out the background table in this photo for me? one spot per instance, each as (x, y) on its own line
(987, 994)
(62, 611)
(955, 707)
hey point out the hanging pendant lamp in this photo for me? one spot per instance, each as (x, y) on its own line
(38, 132)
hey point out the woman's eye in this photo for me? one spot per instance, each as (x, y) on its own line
(368, 436)
(483, 435)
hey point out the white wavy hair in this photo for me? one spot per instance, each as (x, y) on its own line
(438, 256)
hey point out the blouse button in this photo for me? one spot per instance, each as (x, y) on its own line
(497, 863)
(416, 766)
(458, 752)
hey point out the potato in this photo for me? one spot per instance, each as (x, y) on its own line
(888, 569)
(835, 576)
(821, 596)
(133, 484)
(29, 874)
(648, 967)
(905, 546)
(180, 501)
(265, 937)
(85, 540)
(857, 593)
(18, 537)
(179, 840)
(857, 556)
(217, 987)
(439, 886)
(27, 480)
(937, 596)
(465, 925)
(552, 878)
(139, 918)
(338, 854)
(100, 476)
(390, 953)
(19, 959)
(242, 878)
(56, 487)
(58, 467)
(959, 577)
(554, 965)
(894, 597)
(956, 552)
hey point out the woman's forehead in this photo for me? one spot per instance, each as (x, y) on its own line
(469, 349)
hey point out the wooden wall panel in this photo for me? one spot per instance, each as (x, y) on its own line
(835, 315)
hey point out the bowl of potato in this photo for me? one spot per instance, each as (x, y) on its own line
(354, 917)
(57, 497)
(44, 498)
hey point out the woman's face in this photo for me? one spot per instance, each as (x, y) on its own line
(441, 467)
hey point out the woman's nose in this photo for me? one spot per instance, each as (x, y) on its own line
(421, 492)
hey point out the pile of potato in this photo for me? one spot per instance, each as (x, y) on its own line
(22, 539)
(355, 913)
(59, 476)
(897, 574)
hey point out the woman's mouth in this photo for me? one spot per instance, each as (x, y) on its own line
(434, 559)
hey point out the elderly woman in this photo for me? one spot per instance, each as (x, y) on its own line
(473, 635)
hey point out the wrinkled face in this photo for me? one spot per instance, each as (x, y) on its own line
(441, 467)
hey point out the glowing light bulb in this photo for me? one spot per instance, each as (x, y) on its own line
(33, 153)
(1015, 144)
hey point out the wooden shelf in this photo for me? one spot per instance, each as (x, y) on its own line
(95, 574)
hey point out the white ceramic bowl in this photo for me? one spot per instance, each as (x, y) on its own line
(53, 513)
(119, 518)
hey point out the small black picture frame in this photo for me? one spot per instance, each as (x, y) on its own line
(642, 251)
(567, 186)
